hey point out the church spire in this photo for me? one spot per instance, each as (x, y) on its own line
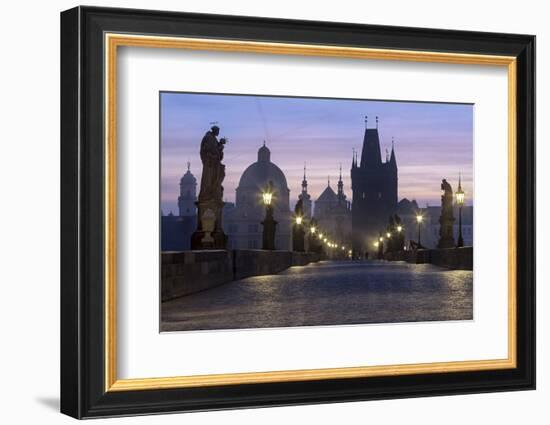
(305, 197)
(341, 195)
(304, 181)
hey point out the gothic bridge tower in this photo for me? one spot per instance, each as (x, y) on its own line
(374, 185)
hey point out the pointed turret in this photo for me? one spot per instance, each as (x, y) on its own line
(393, 161)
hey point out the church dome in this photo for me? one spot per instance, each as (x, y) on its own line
(260, 173)
(257, 176)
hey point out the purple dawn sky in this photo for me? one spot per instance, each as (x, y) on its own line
(432, 141)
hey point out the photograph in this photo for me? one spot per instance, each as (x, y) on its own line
(279, 211)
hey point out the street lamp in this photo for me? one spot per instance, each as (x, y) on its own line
(399, 228)
(388, 235)
(267, 197)
(269, 222)
(298, 234)
(460, 202)
(419, 219)
(312, 229)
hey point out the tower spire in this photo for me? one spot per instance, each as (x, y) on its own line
(304, 181)
(188, 166)
(304, 196)
(341, 196)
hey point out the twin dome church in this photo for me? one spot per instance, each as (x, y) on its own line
(352, 223)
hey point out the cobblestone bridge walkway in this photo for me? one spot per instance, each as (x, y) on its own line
(327, 293)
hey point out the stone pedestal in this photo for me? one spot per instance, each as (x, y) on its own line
(209, 233)
(380, 250)
(270, 225)
(298, 238)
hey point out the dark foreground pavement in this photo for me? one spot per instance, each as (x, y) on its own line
(327, 293)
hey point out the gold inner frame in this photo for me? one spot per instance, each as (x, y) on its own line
(113, 41)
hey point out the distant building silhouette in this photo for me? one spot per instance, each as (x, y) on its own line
(188, 194)
(176, 230)
(243, 222)
(374, 185)
(333, 213)
(429, 229)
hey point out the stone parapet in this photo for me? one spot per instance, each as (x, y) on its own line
(451, 258)
(187, 272)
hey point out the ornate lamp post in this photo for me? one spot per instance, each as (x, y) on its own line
(400, 243)
(419, 219)
(311, 235)
(269, 222)
(380, 248)
(298, 234)
(460, 202)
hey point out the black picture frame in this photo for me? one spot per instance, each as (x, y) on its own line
(83, 392)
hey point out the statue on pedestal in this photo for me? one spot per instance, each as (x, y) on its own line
(209, 233)
(446, 220)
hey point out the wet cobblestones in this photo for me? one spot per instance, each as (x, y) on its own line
(328, 293)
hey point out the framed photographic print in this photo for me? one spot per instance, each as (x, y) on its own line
(261, 212)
